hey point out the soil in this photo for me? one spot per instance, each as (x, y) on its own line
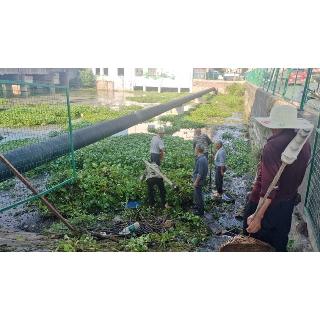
(21, 241)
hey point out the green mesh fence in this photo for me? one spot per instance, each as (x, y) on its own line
(211, 75)
(299, 86)
(312, 202)
(199, 74)
(31, 113)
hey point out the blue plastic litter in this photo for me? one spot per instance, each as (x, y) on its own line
(132, 204)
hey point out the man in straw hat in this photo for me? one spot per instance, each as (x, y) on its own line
(273, 221)
(157, 148)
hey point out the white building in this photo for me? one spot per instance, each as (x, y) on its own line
(161, 79)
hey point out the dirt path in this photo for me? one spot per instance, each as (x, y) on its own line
(21, 241)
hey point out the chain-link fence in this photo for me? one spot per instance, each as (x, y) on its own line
(204, 74)
(312, 202)
(299, 86)
(31, 113)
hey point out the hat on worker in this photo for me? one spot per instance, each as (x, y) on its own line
(161, 131)
(284, 117)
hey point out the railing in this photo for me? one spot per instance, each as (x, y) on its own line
(10, 71)
(202, 74)
(299, 86)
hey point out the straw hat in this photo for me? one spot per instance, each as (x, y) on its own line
(284, 117)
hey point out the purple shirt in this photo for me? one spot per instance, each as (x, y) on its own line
(292, 176)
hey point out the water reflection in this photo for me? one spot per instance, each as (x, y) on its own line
(96, 98)
(100, 98)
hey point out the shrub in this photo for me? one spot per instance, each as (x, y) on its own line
(87, 79)
(74, 83)
(236, 89)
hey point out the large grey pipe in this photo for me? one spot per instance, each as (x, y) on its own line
(37, 154)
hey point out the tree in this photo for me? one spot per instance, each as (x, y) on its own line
(87, 79)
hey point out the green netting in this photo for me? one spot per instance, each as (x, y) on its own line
(199, 74)
(299, 86)
(31, 113)
(312, 202)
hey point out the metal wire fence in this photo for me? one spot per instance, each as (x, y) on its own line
(29, 114)
(208, 75)
(299, 86)
(312, 201)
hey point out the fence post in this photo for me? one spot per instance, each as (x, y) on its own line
(305, 90)
(271, 79)
(260, 77)
(294, 86)
(275, 84)
(255, 76)
(265, 77)
(281, 79)
(286, 84)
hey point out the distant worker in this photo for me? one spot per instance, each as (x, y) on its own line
(152, 178)
(199, 177)
(157, 148)
(220, 165)
(203, 139)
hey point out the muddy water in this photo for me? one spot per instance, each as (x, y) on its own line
(111, 99)
(26, 215)
(222, 214)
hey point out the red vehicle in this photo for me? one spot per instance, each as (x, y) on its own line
(297, 76)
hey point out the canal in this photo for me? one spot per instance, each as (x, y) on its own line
(25, 216)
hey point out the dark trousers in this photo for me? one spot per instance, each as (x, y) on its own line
(198, 197)
(155, 158)
(218, 179)
(159, 182)
(275, 225)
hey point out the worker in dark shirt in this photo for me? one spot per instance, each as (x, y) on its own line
(199, 177)
(273, 221)
(201, 138)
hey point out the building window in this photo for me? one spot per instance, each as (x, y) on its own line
(139, 72)
(98, 71)
(121, 72)
(152, 72)
(105, 71)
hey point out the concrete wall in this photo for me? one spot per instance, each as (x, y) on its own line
(259, 103)
(72, 73)
(46, 75)
(198, 85)
(105, 85)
